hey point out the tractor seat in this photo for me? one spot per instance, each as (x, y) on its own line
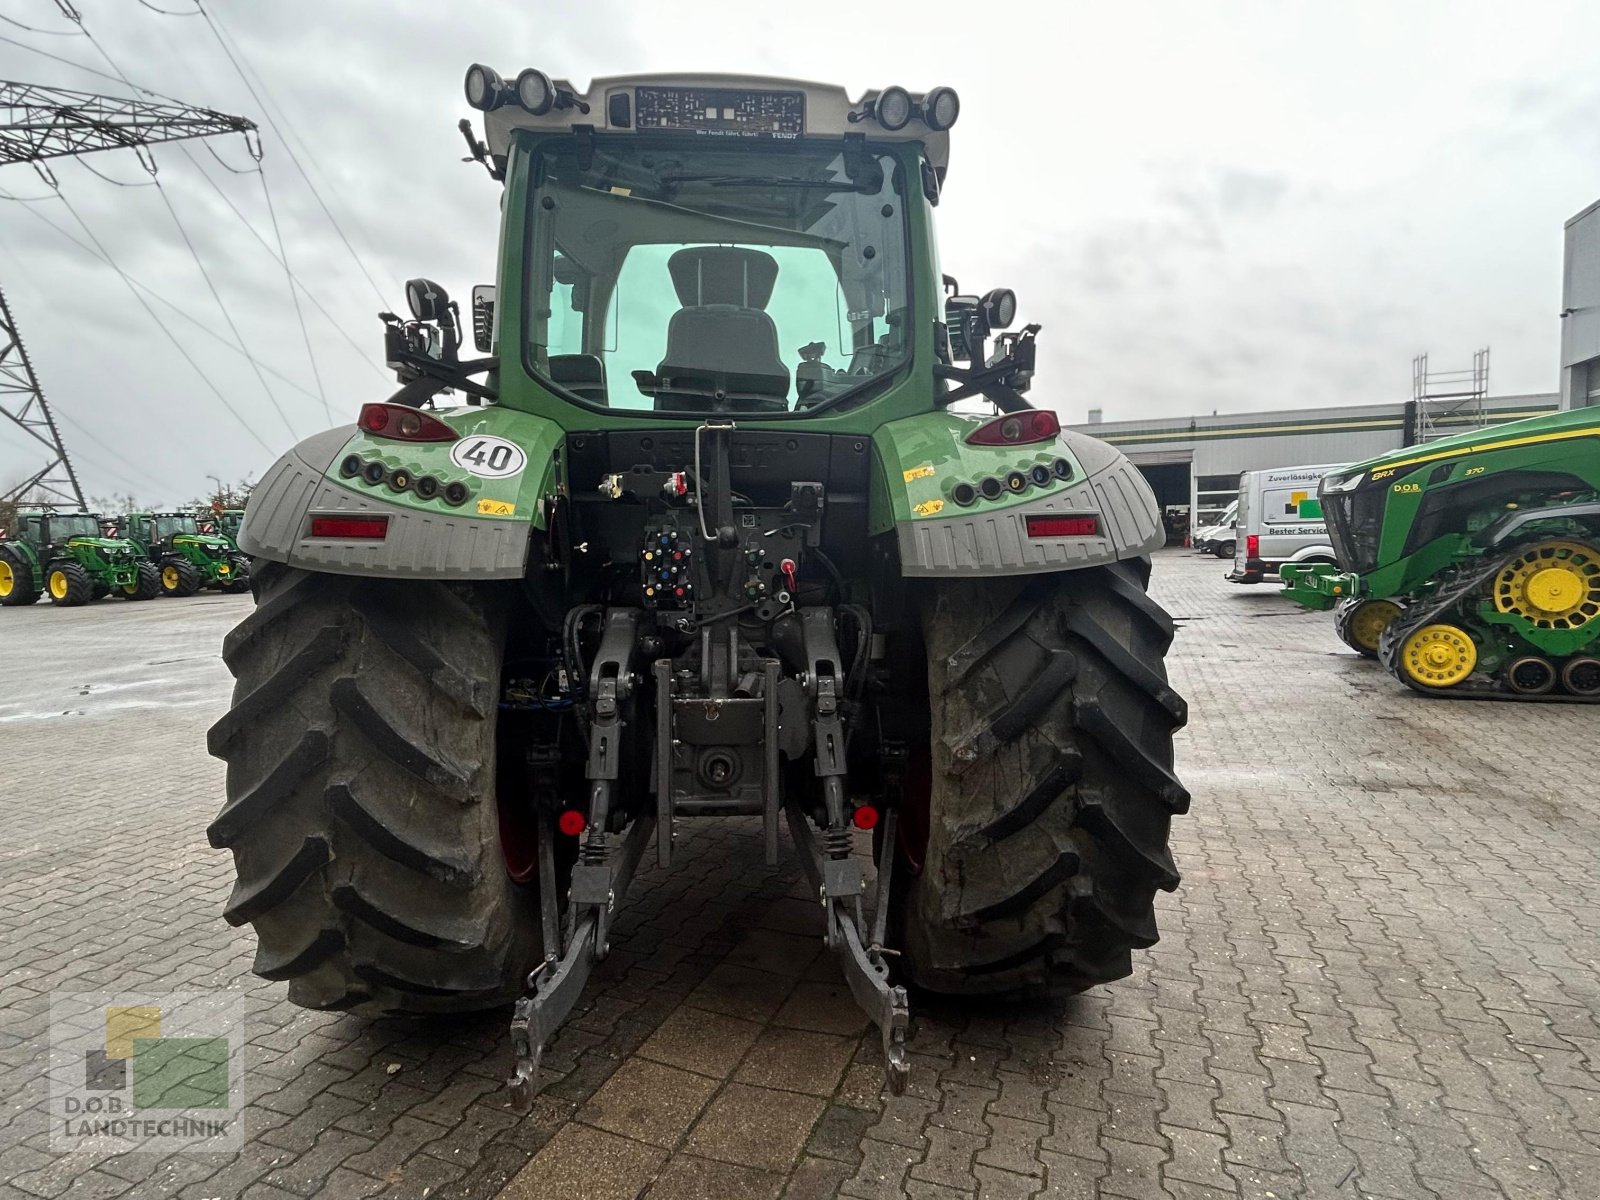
(722, 337)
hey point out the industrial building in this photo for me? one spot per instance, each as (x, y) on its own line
(1193, 463)
(1580, 311)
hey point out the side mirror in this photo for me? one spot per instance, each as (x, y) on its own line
(965, 324)
(483, 317)
(428, 301)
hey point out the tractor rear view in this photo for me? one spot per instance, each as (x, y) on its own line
(708, 542)
(67, 557)
(1471, 565)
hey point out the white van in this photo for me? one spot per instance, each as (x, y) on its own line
(1280, 521)
(1217, 537)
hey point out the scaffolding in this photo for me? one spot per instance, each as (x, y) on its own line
(1448, 402)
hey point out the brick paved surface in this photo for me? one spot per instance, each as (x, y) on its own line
(1379, 977)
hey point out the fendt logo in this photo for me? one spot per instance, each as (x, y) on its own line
(144, 1073)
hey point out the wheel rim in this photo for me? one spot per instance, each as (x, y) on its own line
(170, 578)
(1369, 621)
(1555, 585)
(1581, 676)
(1531, 675)
(59, 584)
(8, 578)
(1439, 656)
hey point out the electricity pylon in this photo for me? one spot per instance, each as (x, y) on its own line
(38, 123)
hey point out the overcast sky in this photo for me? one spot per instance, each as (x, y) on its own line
(1208, 206)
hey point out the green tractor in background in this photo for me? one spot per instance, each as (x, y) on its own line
(1471, 565)
(707, 542)
(68, 557)
(187, 559)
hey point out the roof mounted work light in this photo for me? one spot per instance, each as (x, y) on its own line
(893, 108)
(486, 91)
(535, 92)
(940, 108)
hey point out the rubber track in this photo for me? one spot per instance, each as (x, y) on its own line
(1052, 803)
(361, 805)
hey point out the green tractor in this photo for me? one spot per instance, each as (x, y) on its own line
(187, 559)
(68, 557)
(1471, 565)
(703, 537)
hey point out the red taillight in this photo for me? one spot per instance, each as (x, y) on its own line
(1252, 546)
(1016, 429)
(1053, 527)
(865, 817)
(571, 822)
(404, 424)
(349, 527)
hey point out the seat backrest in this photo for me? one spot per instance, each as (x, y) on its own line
(722, 328)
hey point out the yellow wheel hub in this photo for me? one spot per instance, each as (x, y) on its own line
(1369, 621)
(8, 578)
(170, 578)
(1555, 585)
(1438, 656)
(59, 584)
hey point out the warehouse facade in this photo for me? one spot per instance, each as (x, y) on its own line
(1193, 463)
(1580, 311)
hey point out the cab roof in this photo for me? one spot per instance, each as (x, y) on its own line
(826, 111)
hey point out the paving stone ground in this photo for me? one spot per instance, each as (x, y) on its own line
(1379, 977)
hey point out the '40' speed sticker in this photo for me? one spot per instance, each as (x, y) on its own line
(488, 457)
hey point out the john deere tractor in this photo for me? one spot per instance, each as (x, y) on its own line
(187, 559)
(701, 536)
(1471, 565)
(68, 557)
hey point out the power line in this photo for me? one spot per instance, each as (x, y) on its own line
(294, 158)
(364, 353)
(149, 291)
(222, 307)
(46, 32)
(154, 316)
(294, 296)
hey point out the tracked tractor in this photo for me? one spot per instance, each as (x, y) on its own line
(187, 559)
(68, 557)
(741, 513)
(1470, 566)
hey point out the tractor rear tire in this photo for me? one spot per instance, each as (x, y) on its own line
(180, 577)
(361, 811)
(1052, 788)
(147, 586)
(69, 585)
(17, 585)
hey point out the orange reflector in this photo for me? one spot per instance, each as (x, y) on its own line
(349, 527)
(864, 817)
(571, 822)
(1054, 527)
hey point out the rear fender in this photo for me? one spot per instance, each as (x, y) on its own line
(486, 537)
(924, 459)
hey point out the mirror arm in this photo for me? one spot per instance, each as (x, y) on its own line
(432, 376)
(986, 383)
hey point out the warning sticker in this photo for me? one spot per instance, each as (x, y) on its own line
(497, 508)
(928, 507)
(921, 472)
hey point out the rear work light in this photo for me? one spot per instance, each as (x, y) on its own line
(1016, 429)
(350, 527)
(1252, 546)
(1054, 527)
(404, 424)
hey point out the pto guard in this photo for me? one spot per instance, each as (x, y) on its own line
(926, 456)
(485, 538)
(1317, 586)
